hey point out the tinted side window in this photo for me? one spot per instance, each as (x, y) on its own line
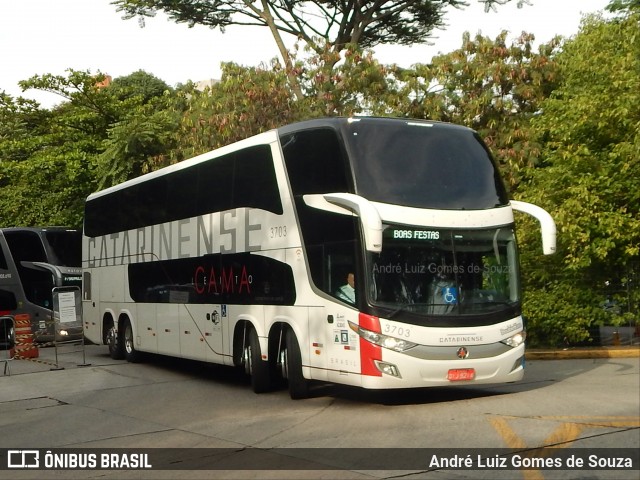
(7, 301)
(316, 163)
(241, 279)
(245, 178)
(65, 247)
(330, 241)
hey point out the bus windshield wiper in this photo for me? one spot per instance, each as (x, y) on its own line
(403, 307)
(397, 310)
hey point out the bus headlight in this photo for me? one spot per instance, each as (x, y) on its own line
(385, 341)
(516, 340)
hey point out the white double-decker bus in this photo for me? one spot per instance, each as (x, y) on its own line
(372, 252)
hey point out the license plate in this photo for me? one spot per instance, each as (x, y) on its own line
(460, 374)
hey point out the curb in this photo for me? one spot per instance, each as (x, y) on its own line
(568, 353)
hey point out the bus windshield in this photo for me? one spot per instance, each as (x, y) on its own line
(66, 245)
(423, 165)
(445, 272)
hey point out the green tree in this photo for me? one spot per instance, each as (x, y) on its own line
(22, 122)
(99, 135)
(624, 6)
(138, 84)
(46, 169)
(136, 144)
(245, 102)
(358, 85)
(144, 131)
(589, 179)
(487, 84)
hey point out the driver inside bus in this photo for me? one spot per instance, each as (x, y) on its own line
(347, 292)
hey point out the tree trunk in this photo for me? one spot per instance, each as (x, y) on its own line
(284, 53)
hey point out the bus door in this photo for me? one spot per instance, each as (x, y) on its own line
(90, 311)
(340, 343)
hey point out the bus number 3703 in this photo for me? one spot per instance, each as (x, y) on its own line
(397, 331)
(278, 232)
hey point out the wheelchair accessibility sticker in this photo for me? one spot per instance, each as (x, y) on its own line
(450, 295)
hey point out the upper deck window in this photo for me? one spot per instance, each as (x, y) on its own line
(244, 178)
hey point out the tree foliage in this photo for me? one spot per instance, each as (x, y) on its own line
(366, 24)
(45, 171)
(148, 116)
(99, 135)
(245, 102)
(589, 177)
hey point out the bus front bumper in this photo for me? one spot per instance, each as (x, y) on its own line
(398, 370)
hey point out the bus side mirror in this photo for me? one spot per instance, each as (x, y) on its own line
(547, 225)
(46, 267)
(349, 204)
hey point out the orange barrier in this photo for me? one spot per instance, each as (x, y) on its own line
(24, 348)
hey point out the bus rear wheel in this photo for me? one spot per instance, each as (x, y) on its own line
(291, 367)
(254, 366)
(130, 352)
(113, 340)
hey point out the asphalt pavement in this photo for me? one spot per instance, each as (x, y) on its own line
(74, 396)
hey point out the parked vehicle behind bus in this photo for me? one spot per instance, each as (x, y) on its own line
(32, 262)
(379, 253)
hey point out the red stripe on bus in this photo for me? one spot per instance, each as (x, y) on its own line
(368, 351)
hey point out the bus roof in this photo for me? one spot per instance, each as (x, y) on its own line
(38, 229)
(338, 122)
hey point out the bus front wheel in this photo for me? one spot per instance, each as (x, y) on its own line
(291, 365)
